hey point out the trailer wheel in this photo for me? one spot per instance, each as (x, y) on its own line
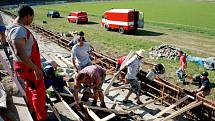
(121, 30)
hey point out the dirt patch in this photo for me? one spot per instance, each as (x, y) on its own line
(189, 41)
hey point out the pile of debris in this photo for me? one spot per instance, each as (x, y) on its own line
(166, 51)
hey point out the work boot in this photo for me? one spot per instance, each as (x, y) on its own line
(103, 105)
(94, 103)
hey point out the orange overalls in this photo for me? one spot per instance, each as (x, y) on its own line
(35, 89)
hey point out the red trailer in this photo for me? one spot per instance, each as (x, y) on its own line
(78, 17)
(125, 20)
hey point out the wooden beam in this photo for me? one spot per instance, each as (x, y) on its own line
(65, 94)
(93, 115)
(108, 117)
(96, 118)
(163, 84)
(106, 109)
(55, 111)
(145, 103)
(22, 109)
(68, 107)
(128, 57)
(67, 89)
(110, 84)
(170, 107)
(182, 110)
(115, 76)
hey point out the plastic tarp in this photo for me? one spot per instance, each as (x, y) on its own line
(208, 63)
(198, 60)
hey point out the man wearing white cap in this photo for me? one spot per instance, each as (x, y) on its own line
(133, 66)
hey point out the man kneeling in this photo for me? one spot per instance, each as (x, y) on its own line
(204, 85)
(91, 77)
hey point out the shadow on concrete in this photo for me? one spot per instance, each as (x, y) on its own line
(108, 80)
(112, 97)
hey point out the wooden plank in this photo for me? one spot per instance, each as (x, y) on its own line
(96, 118)
(106, 109)
(108, 117)
(163, 84)
(93, 115)
(65, 94)
(128, 57)
(67, 89)
(111, 83)
(182, 110)
(22, 109)
(170, 107)
(115, 76)
(145, 103)
(68, 107)
(53, 108)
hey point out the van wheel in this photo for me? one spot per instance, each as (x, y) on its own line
(121, 30)
(106, 27)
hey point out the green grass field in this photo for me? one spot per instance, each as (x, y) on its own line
(189, 17)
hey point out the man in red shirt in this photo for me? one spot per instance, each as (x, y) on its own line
(182, 65)
(91, 77)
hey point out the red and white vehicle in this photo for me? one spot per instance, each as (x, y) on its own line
(123, 20)
(78, 17)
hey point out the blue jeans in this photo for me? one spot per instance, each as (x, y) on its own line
(180, 74)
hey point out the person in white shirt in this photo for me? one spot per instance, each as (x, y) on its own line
(81, 54)
(133, 66)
